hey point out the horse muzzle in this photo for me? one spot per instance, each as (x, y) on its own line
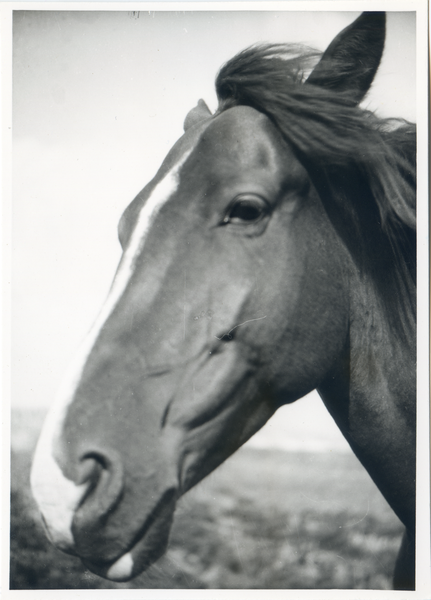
(147, 545)
(99, 517)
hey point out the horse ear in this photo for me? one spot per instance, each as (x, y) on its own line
(352, 58)
(199, 113)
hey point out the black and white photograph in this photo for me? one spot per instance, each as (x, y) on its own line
(216, 300)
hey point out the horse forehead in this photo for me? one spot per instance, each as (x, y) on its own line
(244, 134)
(241, 133)
(184, 146)
(240, 118)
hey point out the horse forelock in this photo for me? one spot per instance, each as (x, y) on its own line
(363, 167)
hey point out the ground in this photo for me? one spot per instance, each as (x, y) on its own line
(264, 519)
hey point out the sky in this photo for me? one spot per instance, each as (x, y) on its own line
(98, 100)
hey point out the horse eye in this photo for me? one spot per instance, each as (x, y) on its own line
(246, 210)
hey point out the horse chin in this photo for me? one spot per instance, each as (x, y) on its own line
(149, 545)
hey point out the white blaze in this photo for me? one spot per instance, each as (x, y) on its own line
(57, 496)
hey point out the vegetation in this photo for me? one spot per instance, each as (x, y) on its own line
(264, 519)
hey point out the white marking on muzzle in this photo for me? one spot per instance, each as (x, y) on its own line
(122, 569)
(57, 496)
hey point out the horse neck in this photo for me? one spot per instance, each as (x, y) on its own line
(381, 359)
(371, 395)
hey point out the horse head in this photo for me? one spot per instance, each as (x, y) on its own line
(230, 300)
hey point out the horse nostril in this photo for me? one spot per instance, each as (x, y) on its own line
(104, 473)
(90, 469)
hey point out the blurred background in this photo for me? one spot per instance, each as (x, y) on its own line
(98, 100)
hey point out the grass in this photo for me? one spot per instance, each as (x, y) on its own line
(264, 519)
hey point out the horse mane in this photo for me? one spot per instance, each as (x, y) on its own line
(363, 167)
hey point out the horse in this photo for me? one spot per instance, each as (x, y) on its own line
(287, 218)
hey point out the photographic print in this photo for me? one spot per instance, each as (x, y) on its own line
(214, 306)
